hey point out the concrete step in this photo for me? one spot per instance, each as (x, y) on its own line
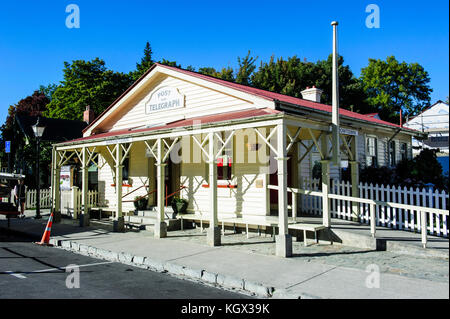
(152, 212)
(142, 220)
(149, 222)
(146, 213)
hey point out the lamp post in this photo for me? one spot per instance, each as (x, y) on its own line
(38, 130)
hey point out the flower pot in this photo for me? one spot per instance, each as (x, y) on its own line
(179, 206)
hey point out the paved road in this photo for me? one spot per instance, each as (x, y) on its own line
(31, 271)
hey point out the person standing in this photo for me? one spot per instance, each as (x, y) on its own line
(20, 196)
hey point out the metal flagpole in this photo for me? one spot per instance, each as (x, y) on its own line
(335, 99)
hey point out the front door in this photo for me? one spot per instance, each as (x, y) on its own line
(273, 179)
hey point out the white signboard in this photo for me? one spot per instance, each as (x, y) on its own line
(163, 99)
(119, 141)
(346, 131)
(64, 179)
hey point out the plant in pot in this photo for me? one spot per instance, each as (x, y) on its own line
(140, 203)
(179, 205)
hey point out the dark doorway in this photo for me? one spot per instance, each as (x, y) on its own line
(273, 180)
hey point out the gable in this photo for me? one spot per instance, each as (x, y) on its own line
(164, 96)
(434, 117)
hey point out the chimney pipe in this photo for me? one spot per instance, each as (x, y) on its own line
(88, 115)
(312, 94)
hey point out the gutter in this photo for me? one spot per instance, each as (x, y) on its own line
(170, 130)
(326, 116)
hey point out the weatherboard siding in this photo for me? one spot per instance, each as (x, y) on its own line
(199, 101)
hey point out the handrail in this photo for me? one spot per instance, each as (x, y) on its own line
(153, 191)
(179, 190)
(140, 197)
(134, 190)
(422, 211)
(365, 200)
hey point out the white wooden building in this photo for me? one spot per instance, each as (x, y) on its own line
(435, 122)
(220, 145)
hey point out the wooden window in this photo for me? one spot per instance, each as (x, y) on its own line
(224, 167)
(372, 151)
(391, 153)
(225, 160)
(403, 151)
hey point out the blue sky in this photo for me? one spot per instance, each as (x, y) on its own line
(34, 40)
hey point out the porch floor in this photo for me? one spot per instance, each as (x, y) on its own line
(396, 240)
(351, 234)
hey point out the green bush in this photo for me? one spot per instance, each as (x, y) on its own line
(179, 205)
(140, 203)
(417, 172)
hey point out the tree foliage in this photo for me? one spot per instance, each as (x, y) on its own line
(86, 83)
(23, 151)
(391, 86)
(292, 76)
(145, 64)
(246, 68)
(225, 74)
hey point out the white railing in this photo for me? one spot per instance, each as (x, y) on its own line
(45, 198)
(71, 201)
(394, 206)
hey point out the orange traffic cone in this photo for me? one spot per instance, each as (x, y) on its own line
(45, 241)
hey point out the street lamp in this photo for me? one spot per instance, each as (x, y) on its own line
(38, 130)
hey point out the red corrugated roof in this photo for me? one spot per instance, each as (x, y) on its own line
(261, 93)
(187, 122)
(283, 98)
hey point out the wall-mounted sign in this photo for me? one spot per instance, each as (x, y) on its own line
(118, 141)
(65, 178)
(8, 147)
(346, 131)
(165, 98)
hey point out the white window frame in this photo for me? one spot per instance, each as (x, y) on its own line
(392, 155)
(370, 158)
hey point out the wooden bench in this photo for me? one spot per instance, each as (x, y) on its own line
(307, 227)
(230, 220)
(263, 222)
(131, 225)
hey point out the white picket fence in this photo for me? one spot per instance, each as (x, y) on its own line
(396, 218)
(71, 201)
(45, 198)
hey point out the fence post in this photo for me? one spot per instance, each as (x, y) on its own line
(423, 216)
(372, 220)
(75, 202)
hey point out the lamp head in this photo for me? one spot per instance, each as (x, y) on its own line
(38, 128)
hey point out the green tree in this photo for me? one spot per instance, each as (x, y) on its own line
(145, 64)
(292, 76)
(392, 86)
(246, 68)
(86, 83)
(170, 63)
(48, 90)
(23, 151)
(225, 74)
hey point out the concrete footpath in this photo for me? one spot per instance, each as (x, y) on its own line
(240, 269)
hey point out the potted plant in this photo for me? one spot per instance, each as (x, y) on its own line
(179, 205)
(140, 203)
